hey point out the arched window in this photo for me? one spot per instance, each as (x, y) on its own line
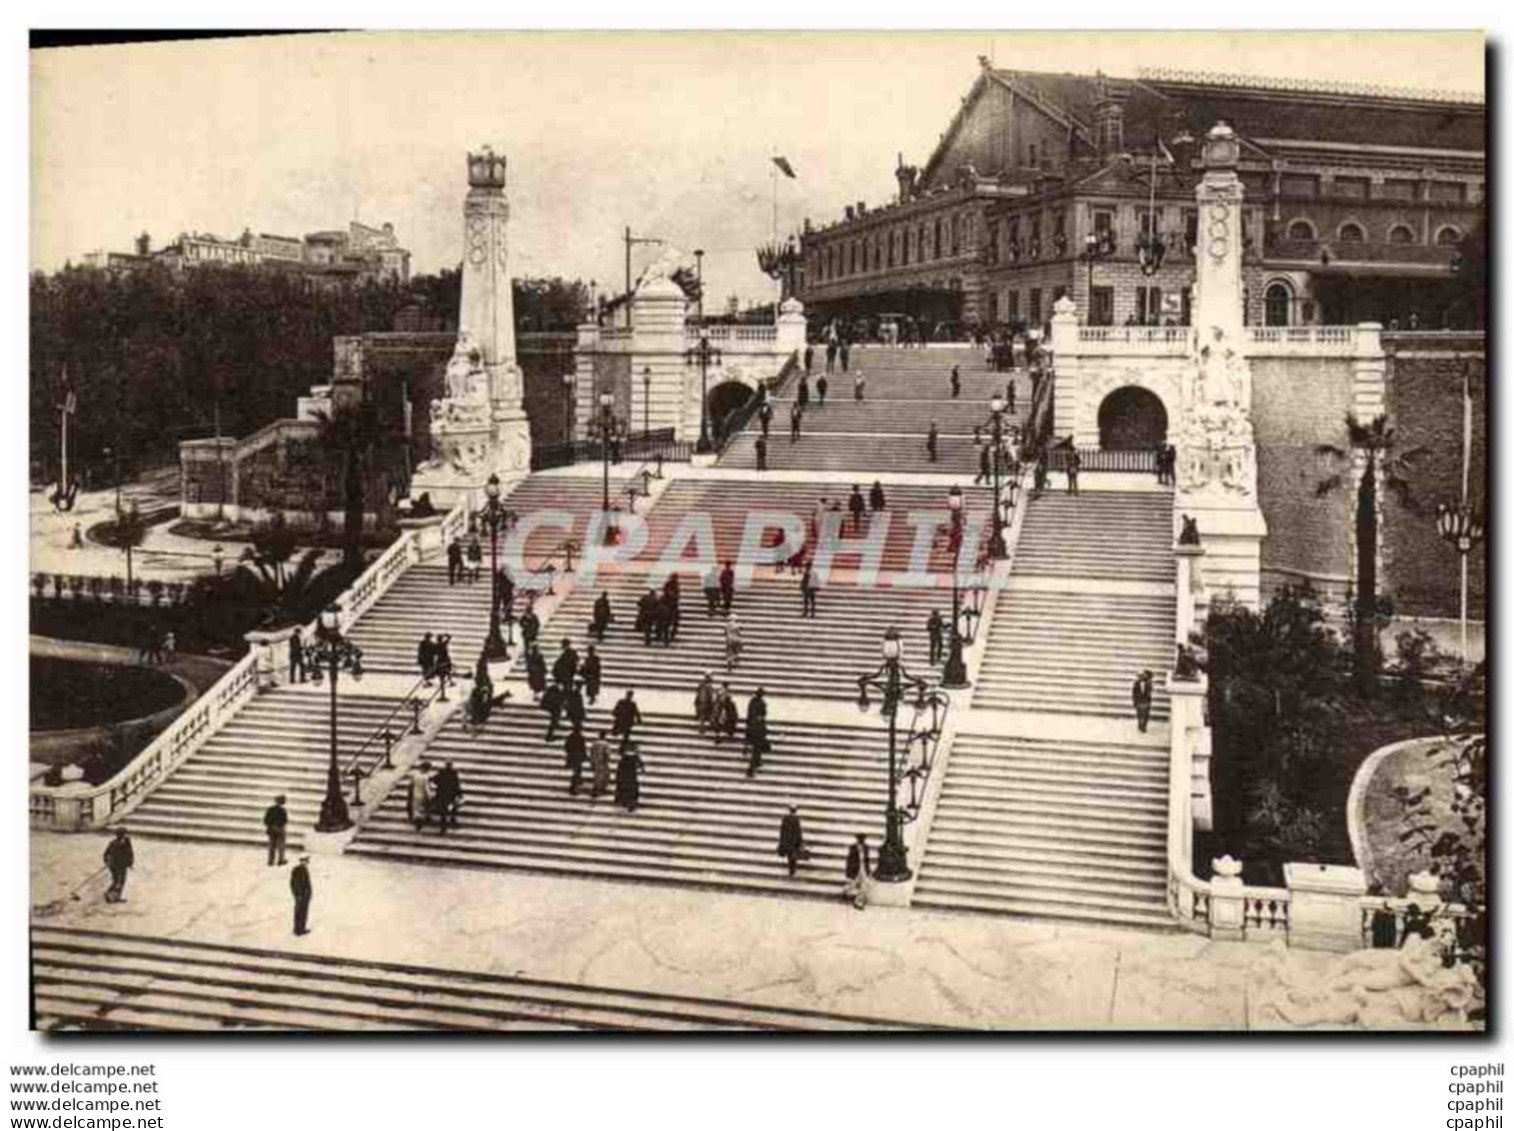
(1278, 305)
(1401, 233)
(1301, 230)
(1351, 232)
(1449, 236)
(936, 243)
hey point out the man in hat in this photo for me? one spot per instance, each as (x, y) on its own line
(565, 669)
(756, 731)
(276, 821)
(449, 794)
(932, 442)
(425, 657)
(602, 617)
(592, 671)
(791, 845)
(119, 859)
(936, 627)
(706, 699)
(301, 889)
(576, 748)
(859, 866)
(626, 717)
(809, 592)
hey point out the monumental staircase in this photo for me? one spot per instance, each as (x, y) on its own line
(102, 981)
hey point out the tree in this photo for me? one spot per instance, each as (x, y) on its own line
(130, 533)
(273, 545)
(1382, 465)
(356, 436)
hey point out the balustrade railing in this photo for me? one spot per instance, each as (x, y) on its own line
(658, 443)
(1265, 911)
(736, 421)
(1107, 460)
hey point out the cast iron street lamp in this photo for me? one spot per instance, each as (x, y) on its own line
(703, 355)
(332, 653)
(569, 379)
(954, 674)
(892, 680)
(646, 404)
(996, 548)
(497, 519)
(1463, 528)
(605, 427)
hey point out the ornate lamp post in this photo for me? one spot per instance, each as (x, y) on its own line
(331, 653)
(604, 427)
(496, 518)
(569, 382)
(996, 548)
(703, 356)
(1463, 528)
(646, 401)
(954, 673)
(892, 680)
(217, 554)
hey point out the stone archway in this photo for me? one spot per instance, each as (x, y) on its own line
(1132, 419)
(726, 398)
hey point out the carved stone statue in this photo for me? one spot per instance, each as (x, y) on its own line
(1190, 534)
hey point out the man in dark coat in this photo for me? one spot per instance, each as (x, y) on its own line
(706, 700)
(809, 357)
(1009, 397)
(505, 590)
(796, 418)
(565, 670)
(672, 605)
(727, 587)
(530, 626)
(791, 845)
(454, 562)
(876, 499)
(822, 386)
(726, 715)
(956, 383)
(1140, 697)
(573, 704)
(761, 448)
(712, 590)
(831, 347)
(296, 658)
(536, 671)
(859, 866)
(443, 656)
(932, 442)
(627, 716)
(628, 778)
(577, 750)
(765, 417)
(592, 672)
(300, 887)
(425, 657)
(809, 592)
(857, 507)
(756, 731)
(646, 615)
(276, 822)
(553, 700)
(119, 859)
(846, 354)
(1074, 464)
(985, 466)
(448, 792)
(602, 617)
(936, 627)
(802, 397)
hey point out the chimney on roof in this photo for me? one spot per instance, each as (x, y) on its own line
(851, 213)
(1109, 117)
(861, 208)
(144, 245)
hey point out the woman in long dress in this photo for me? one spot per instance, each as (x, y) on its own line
(628, 779)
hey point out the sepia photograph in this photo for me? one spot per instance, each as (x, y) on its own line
(692, 532)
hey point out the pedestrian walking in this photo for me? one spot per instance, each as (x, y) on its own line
(859, 868)
(599, 764)
(876, 500)
(711, 590)
(765, 418)
(504, 589)
(757, 743)
(985, 472)
(296, 658)
(936, 628)
(1009, 396)
(626, 718)
(530, 626)
(846, 356)
(726, 715)
(956, 382)
(809, 592)
(733, 642)
(565, 669)
(276, 824)
(552, 701)
(443, 666)
(761, 447)
(1140, 696)
(727, 588)
(454, 562)
(809, 357)
(857, 507)
(425, 658)
(672, 610)
(802, 396)
(831, 347)
(791, 846)
(859, 387)
(628, 778)
(1074, 463)
(647, 612)
(706, 700)
(574, 708)
(576, 749)
(592, 672)
(603, 617)
(119, 859)
(475, 558)
(536, 671)
(822, 386)
(932, 442)
(418, 799)
(796, 419)
(303, 891)
(447, 797)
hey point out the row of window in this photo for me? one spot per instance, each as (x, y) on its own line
(919, 243)
(1362, 188)
(1448, 235)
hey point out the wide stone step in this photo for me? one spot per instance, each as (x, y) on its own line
(953, 898)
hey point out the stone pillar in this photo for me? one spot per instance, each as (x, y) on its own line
(658, 343)
(1187, 557)
(791, 332)
(1326, 906)
(1227, 900)
(1369, 373)
(583, 377)
(1066, 370)
(272, 649)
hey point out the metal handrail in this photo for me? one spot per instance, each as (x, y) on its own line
(379, 732)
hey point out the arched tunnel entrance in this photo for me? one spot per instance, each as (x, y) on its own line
(1132, 419)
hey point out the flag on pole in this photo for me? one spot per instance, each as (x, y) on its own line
(785, 167)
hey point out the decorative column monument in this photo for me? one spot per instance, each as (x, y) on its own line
(479, 426)
(1215, 441)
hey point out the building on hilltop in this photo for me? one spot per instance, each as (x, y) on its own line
(1356, 202)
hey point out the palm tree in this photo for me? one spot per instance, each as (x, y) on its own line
(1382, 464)
(356, 434)
(273, 544)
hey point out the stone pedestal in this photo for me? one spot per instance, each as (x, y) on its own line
(1227, 900)
(428, 532)
(1326, 909)
(1232, 530)
(272, 650)
(791, 331)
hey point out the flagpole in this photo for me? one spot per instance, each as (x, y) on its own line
(778, 282)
